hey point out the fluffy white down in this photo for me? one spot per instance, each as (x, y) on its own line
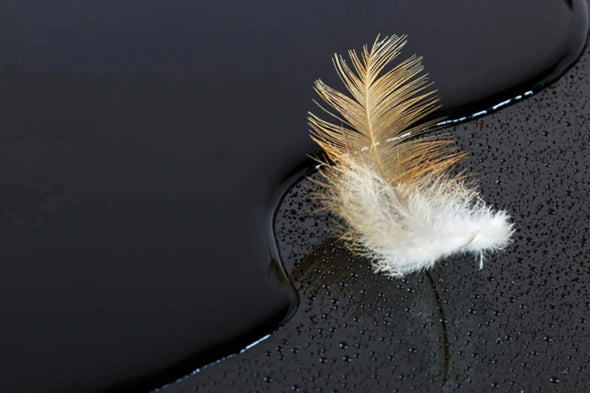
(404, 230)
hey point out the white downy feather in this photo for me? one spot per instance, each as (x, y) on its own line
(408, 228)
(388, 177)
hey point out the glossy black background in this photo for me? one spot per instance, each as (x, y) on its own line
(144, 146)
(518, 325)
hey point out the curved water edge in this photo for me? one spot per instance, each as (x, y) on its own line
(577, 33)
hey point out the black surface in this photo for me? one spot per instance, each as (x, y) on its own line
(144, 145)
(518, 325)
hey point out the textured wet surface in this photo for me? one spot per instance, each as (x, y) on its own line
(518, 325)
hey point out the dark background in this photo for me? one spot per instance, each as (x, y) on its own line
(518, 325)
(144, 147)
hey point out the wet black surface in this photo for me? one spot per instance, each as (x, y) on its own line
(143, 146)
(518, 325)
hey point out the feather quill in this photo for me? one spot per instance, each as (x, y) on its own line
(387, 176)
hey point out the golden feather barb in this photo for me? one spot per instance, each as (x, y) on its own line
(379, 122)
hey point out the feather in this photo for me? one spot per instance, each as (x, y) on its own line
(388, 177)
